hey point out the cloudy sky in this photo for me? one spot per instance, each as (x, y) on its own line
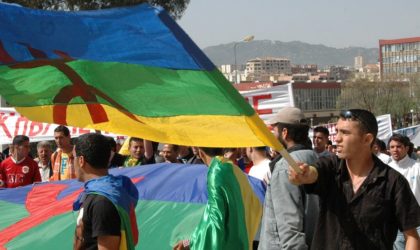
(334, 23)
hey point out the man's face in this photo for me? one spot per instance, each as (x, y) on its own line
(77, 167)
(279, 135)
(44, 154)
(21, 151)
(397, 150)
(168, 153)
(349, 139)
(61, 140)
(375, 149)
(320, 141)
(136, 149)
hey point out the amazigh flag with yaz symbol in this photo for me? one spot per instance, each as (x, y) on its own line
(130, 71)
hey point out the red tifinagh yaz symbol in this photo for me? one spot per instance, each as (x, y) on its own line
(78, 87)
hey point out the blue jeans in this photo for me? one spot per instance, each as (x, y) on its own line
(399, 243)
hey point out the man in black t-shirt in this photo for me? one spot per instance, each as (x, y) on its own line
(105, 200)
(363, 202)
(97, 218)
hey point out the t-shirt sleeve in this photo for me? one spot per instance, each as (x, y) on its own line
(105, 218)
(406, 206)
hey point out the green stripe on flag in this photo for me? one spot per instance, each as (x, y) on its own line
(11, 213)
(160, 224)
(142, 90)
(56, 233)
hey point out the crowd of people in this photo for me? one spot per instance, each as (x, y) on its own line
(356, 194)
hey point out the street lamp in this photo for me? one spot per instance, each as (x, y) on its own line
(246, 39)
(412, 117)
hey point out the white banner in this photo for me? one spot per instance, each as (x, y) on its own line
(412, 132)
(384, 127)
(12, 124)
(268, 101)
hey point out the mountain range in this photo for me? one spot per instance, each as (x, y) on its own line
(297, 52)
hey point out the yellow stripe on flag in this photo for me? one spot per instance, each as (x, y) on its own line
(192, 130)
(252, 205)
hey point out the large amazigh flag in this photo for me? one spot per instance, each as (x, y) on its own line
(130, 71)
(172, 199)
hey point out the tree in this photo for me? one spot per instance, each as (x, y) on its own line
(175, 7)
(381, 97)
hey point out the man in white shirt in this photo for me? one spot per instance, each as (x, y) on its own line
(260, 160)
(320, 140)
(400, 161)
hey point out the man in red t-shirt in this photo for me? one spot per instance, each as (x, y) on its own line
(19, 169)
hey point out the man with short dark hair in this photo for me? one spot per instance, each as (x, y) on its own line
(116, 159)
(363, 202)
(141, 152)
(377, 148)
(400, 160)
(62, 158)
(19, 169)
(320, 141)
(106, 217)
(170, 153)
(289, 215)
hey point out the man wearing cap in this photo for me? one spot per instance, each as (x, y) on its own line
(363, 202)
(289, 215)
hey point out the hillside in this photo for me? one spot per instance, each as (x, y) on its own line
(297, 52)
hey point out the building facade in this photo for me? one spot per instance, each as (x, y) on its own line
(261, 69)
(399, 58)
(305, 69)
(358, 62)
(318, 100)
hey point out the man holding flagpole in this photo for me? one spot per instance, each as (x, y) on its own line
(363, 202)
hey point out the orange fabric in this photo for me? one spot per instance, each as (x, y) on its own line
(56, 166)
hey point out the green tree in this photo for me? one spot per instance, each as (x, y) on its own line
(393, 97)
(175, 7)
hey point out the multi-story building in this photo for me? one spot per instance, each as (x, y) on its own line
(369, 72)
(338, 73)
(358, 62)
(399, 58)
(260, 69)
(305, 69)
(318, 100)
(233, 75)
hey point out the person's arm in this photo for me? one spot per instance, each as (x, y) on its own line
(309, 175)
(2, 176)
(148, 149)
(109, 242)
(412, 239)
(288, 209)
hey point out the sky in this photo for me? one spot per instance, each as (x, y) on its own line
(335, 23)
